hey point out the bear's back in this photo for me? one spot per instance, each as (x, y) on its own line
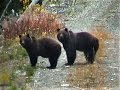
(48, 46)
(48, 42)
(84, 40)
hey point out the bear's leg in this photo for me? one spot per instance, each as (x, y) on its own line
(71, 56)
(33, 61)
(86, 55)
(91, 56)
(53, 63)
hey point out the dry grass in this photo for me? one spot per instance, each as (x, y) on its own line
(87, 76)
(92, 76)
(5, 78)
(103, 35)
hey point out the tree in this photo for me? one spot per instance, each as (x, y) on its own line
(36, 2)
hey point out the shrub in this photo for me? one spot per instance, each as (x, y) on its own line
(34, 20)
(11, 50)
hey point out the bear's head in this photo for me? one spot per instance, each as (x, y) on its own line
(26, 41)
(63, 35)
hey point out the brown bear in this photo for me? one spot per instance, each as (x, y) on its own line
(45, 47)
(81, 41)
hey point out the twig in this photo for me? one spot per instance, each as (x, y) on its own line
(5, 10)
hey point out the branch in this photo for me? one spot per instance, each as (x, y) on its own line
(5, 10)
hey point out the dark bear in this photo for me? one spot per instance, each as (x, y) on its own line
(45, 47)
(81, 41)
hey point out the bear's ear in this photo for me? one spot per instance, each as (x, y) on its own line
(66, 29)
(28, 35)
(58, 30)
(20, 36)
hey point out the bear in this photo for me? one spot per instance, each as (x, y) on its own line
(44, 47)
(81, 41)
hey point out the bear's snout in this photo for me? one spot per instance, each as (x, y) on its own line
(60, 37)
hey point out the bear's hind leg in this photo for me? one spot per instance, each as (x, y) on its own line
(91, 56)
(53, 63)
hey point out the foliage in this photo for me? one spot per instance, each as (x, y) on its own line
(28, 70)
(34, 20)
(11, 50)
(5, 78)
(25, 4)
(16, 75)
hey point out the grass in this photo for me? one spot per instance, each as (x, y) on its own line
(87, 76)
(5, 78)
(13, 59)
(15, 76)
(11, 50)
(92, 76)
(103, 35)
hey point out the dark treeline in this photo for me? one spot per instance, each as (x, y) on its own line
(16, 5)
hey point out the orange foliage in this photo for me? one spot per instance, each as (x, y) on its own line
(34, 20)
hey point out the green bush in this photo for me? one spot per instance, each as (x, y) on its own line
(11, 51)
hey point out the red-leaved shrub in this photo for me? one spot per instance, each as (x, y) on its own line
(34, 20)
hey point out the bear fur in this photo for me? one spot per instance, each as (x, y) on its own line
(45, 47)
(81, 41)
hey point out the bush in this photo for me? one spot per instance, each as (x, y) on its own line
(34, 20)
(11, 50)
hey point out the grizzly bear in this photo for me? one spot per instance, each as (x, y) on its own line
(44, 47)
(81, 41)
